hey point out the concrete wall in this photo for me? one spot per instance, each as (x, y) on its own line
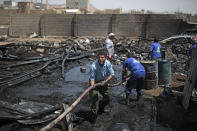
(130, 25)
(22, 25)
(77, 4)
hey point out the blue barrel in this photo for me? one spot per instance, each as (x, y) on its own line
(164, 72)
(151, 80)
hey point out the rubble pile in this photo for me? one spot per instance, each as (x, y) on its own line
(25, 60)
(134, 48)
(176, 51)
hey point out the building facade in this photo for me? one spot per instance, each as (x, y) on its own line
(77, 4)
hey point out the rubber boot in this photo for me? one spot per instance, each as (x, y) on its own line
(138, 96)
(127, 99)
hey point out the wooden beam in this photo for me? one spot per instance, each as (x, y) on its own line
(69, 109)
(50, 125)
(191, 79)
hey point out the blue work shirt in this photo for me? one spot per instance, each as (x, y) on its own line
(190, 50)
(156, 50)
(100, 73)
(133, 65)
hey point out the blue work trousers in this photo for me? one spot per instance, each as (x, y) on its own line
(136, 81)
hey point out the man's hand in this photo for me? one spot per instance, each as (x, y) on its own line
(92, 82)
(103, 83)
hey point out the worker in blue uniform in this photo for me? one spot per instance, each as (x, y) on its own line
(194, 45)
(155, 50)
(137, 76)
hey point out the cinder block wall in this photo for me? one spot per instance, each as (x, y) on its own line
(130, 25)
(162, 25)
(4, 20)
(24, 24)
(57, 25)
(92, 25)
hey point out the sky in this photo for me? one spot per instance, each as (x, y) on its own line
(186, 6)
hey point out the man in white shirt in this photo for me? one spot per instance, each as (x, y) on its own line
(109, 45)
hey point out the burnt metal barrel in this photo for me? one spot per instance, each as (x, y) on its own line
(164, 72)
(151, 80)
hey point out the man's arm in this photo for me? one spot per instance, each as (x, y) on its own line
(111, 74)
(107, 80)
(92, 75)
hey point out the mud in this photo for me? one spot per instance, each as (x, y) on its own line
(149, 114)
(53, 89)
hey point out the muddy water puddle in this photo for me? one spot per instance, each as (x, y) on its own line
(53, 89)
(75, 82)
(75, 75)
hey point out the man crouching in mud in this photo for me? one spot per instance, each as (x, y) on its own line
(137, 76)
(101, 72)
